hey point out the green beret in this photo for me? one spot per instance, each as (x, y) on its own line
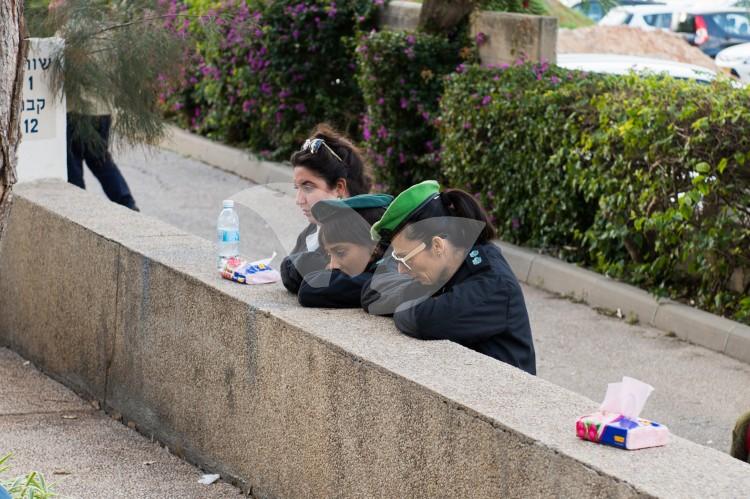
(406, 204)
(328, 208)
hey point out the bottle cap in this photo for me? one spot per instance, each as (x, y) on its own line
(228, 203)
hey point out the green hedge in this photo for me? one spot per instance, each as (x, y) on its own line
(401, 77)
(643, 179)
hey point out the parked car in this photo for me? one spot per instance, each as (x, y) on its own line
(641, 16)
(736, 61)
(713, 30)
(624, 64)
(595, 9)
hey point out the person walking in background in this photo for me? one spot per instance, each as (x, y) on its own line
(111, 70)
(93, 148)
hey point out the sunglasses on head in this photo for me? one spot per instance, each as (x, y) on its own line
(313, 146)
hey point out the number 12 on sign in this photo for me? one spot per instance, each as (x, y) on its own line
(30, 126)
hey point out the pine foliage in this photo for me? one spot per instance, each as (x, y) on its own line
(115, 58)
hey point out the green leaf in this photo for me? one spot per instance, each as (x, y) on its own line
(703, 167)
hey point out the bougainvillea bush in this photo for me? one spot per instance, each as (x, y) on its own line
(262, 74)
(401, 76)
(646, 179)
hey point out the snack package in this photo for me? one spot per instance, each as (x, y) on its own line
(258, 272)
(617, 422)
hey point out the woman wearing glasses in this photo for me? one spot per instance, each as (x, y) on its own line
(328, 166)
(345, 237)
(452, 282)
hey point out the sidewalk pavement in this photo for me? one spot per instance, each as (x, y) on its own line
(698, 393)
(80, 450)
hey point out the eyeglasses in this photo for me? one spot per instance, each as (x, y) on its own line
(412, 254)
(313, 145)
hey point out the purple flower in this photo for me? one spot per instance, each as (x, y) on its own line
(247, 105)
(481, 38)
(382, 132)
(265, 87)
(486, 100)
(401, 158)
(381, 101)
(300, 108)
(409, 51)
(366, 134)
(467, 125)
(378, 2)
(404, 103)
(410, 39)
(554, 79)
(460, 68)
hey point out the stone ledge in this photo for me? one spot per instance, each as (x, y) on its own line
(301, 402)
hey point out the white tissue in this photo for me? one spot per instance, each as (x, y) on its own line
(626, 397)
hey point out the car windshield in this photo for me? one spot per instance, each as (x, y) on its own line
(593, 10)
(616, 17)
(732, 23)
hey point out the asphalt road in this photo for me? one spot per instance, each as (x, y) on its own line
(698, 393)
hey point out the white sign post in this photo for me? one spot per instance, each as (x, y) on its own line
(43, 148)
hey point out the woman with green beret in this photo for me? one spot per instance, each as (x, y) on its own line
(328, 166)
(452, 282)
(344, 235)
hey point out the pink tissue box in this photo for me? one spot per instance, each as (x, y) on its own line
(618, 431)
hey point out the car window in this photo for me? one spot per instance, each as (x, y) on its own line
(616, 18)
(593, 10)
(732, 23)
(687, 25)
(658, 20)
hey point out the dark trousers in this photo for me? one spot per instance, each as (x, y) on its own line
(98, 159)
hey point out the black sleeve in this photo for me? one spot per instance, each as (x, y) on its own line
(296, 266)
(331, 289)
(382, 294)
(471, 311)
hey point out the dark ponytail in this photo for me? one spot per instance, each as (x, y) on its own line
(438, 218)
(462, 204)
(352, 166)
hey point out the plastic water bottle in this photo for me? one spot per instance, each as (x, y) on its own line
(228, 233)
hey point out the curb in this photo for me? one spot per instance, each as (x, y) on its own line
(230, 159)
(550, 274)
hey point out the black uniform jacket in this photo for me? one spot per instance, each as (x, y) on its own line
(333, 288)
(481, 307)
(301, 262)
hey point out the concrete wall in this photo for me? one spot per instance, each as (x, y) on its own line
(295, 402)
(509, 36)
